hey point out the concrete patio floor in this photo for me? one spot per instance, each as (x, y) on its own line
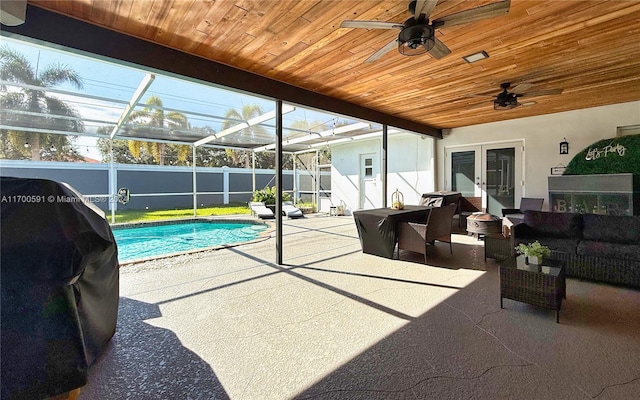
(334, 323)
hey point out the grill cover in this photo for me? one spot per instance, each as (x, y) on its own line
(60, 287)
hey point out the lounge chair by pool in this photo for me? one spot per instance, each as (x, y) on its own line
(290, 210)
(260, 210)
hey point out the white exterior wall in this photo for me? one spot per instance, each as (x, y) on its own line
(410, 169)
(541, 136)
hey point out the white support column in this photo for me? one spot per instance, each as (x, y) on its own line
(316, 173)
(195, 186)
(113, 184)
(295, 179)
(253, 176)
(225, 184)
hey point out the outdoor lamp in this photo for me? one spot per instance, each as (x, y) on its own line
(564, 146)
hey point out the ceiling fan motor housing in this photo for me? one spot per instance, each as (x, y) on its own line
(416, 37)
(505, 101)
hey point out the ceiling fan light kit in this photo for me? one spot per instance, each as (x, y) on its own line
(417, 34)
(507, 100)
(505, 105)
(416, 38)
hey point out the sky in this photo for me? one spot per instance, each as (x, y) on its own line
(112, 85)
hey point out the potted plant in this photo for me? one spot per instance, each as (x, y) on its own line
(533, 252)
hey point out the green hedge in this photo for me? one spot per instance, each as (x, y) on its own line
(608, 156)
(268, 195)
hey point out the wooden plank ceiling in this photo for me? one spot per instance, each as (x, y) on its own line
(590, 49)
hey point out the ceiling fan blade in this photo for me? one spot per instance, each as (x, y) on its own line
(425, 7)
(484, 96)
(521, 88)
(370, 24)
(439, 50)
(542, 93)
(474, 14)
(384, 50)
(479, 105)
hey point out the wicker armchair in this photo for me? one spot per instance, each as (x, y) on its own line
(415, 237)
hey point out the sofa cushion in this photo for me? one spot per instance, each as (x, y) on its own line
(609, 250)
(550, 224)
(612, 228)
(565, 245)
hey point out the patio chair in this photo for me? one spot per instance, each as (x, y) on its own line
(290, 210)
(415, 236)
(260, 210)
(516, 215)
(431, 201)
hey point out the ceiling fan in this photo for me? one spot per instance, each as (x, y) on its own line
(506, 100)
(417, 34)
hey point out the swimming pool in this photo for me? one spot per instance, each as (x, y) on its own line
(154, 240)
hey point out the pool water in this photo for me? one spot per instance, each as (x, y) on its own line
(158, 240)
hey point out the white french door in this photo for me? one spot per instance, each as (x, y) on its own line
(492, 171)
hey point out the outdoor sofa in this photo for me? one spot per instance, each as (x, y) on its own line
(603, 248)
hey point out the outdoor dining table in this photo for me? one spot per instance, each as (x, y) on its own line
(377, 227)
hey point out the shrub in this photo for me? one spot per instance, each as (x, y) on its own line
(268, 195)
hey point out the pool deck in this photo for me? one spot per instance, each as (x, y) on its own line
(334, 323)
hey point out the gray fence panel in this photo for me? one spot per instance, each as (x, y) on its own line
(150, 181)
(239, 182)
(209, 200)
(158, 202)
(93, 179)
(209, 182)
(90, 181)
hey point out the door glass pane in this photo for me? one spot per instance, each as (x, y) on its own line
(368, 169)
(463, 172)
(500, 180)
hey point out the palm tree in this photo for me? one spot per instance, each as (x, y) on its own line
(249, 111)
(153, 116)
(34, 108)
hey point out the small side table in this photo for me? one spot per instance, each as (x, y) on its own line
(539, 285)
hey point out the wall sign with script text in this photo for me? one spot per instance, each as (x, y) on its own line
(610, 149)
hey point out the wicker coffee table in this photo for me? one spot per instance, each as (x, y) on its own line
(539, 285)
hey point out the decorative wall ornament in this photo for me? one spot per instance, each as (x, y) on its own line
(564, 146)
